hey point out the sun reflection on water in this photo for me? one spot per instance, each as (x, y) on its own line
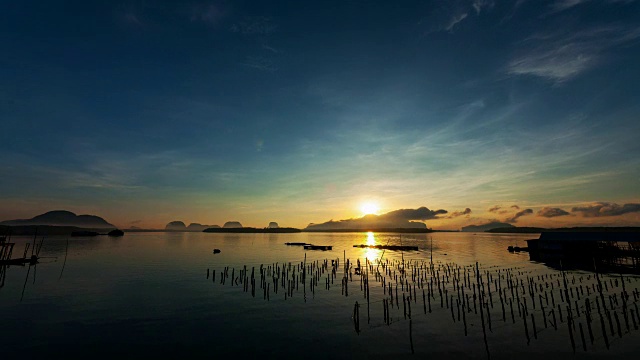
(371, 240)
(371, 254)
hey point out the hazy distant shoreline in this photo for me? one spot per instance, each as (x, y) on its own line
(51, 230)
(251, 230)
(67, 230)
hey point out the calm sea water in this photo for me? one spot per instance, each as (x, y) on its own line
(154, 295)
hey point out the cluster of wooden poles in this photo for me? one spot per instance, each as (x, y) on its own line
(286, 277)
(584, 305)
(470, 290)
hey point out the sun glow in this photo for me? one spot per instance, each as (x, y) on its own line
(369, 208)
(371, 239)
(370, 253)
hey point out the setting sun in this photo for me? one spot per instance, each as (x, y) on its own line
(369, 208)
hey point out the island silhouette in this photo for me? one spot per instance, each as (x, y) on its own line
(486, 227)
(63, 218)
(60, 222)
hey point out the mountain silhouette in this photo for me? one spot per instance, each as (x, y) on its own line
(63, 218)
(232, 225)
(485, 227)
(200, 227)
(176, 226)
(180, 226)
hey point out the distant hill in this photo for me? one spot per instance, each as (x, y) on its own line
(485, 227)
(415, 230)
(180, 226)
(200, 227)
(367, 223)
(232, 225)
(518, 230)
(250, 230)
(196, 227)
(176, 226)
(62, 218)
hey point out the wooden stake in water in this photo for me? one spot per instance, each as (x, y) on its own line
(484, 331)
(604, 331)
(584, 344)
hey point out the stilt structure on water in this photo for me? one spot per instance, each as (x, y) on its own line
(6, 252)
(613, 250)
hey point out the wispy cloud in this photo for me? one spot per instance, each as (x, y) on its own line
(562, 56)
(131, 18)
(255, 25)
(561, 5)
(147, 14)
(479, 5)
(558, 62)
(450, 13)
(209, 13)
(260, 62)
(257, 31)
(455, 20)
(259, 145)
(270, 48)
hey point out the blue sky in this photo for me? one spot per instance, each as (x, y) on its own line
(145, 112)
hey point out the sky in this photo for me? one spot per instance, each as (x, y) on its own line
(145, 112)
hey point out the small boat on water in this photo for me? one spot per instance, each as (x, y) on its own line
(296, 244)
(318, 247)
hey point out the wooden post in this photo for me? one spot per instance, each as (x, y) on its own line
(533, 325)
(526, 329)
(584, 344)
(615, 315)
(604, 331)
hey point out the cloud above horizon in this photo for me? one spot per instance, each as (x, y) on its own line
(600, 209)
(401, 218)
(455, 214)
(550, 212)
(499, 209)
(519, 214)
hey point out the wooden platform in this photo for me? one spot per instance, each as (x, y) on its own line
(389, 247)
(318, 247)
(20, 261)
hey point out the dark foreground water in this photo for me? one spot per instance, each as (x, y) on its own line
(154, 295)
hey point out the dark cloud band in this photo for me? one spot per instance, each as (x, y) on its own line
(601, 209)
